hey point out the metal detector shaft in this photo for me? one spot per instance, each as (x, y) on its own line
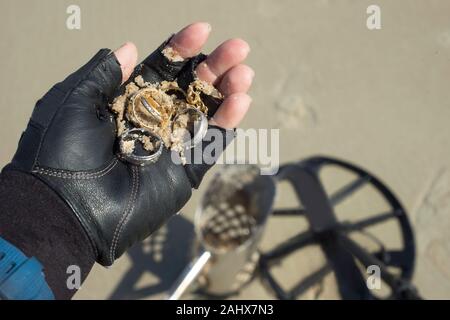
(189, 274)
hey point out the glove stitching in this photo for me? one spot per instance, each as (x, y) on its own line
(76, 175)
(126, 214)
(80, 218)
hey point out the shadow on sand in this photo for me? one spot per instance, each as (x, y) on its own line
(164, 255)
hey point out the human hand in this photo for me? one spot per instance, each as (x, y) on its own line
(70, 142)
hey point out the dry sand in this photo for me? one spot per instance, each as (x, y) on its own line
(380, 99)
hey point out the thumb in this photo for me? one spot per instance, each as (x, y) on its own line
(70, 113)
(104, 72)
(98, 78)
(107, 71)
(127, 57)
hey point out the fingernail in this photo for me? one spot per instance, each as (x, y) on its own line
(121, 46)
(122, 52)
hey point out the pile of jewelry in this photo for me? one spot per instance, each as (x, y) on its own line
(161, 113)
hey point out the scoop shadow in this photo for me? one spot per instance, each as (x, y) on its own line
(164, 255)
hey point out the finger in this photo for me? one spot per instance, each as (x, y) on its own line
(127, 56)
(79, 107)
(224, 57)
(169, 59)
(216, 139)
(102, 74)
(189, 41)
(237, 79)
(232, 111)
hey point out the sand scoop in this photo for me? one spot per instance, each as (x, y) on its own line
(229, 223)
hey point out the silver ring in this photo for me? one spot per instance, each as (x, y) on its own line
(199, 129)
(133, 135)
(155, 113)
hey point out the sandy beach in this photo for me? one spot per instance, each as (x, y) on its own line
(376, 98)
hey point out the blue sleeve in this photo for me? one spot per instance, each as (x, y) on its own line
(21, 278)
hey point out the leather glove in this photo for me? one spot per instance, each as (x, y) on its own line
(70, 144)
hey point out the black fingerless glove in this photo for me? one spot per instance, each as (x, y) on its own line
(70, 145)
